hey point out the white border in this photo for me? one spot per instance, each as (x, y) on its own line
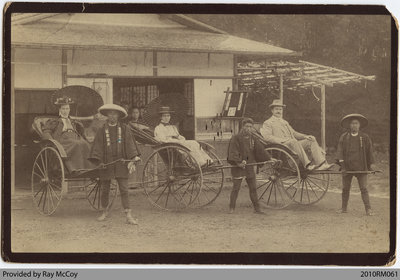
(392, 5)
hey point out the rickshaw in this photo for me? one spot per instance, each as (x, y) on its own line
(51, 180)
(172, 178)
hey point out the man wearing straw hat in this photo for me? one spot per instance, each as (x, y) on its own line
(114, 141)
(278, 131)
(355, 153)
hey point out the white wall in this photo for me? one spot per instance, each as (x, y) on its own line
(194, 64)
(103, 86)
(37, 68)
(42, 68)
(209, 96)
(113, 63)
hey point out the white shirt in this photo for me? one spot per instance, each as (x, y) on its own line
(167, 133)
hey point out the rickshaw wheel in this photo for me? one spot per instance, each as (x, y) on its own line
(94, 194)
(213, 181)
(48, 181)
(313, 187)
(172, 178)
(277, 183)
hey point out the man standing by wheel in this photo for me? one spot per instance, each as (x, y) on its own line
(245, 149)
(355, 153)
(114, 141)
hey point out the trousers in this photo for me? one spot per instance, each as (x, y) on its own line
(362, 183)
(251, 182)
(299, 147)
(123, 191)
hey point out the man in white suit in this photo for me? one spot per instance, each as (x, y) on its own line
(278, 131)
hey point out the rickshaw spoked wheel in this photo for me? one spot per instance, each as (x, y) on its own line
(313, 187)
(172, 178)
(277, 183)
(213, 181)
(48, 180)
(94, 194)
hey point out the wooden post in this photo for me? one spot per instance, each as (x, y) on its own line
(323, 136)
(281, 87)
(155, 64)
(235, 84)
(64, 67)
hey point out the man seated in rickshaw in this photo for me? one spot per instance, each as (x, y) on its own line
(168, 133)
(136, 122)
(70, 134)
(278, 131)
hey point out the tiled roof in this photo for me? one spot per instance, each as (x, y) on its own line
(103, 36)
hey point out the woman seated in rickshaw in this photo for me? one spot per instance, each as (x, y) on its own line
(168, 133)
(70, 134)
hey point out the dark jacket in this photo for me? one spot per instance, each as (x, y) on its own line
(367, 156)
(73, 142)
(238, 150)
(53, 129)
(101, 153)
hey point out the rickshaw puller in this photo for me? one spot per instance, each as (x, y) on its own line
(355, 153)
(115, 141)
(245, 149)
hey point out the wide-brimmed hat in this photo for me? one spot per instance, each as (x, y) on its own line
(345, 122)
(165, 110)
(113, 107)
(63, 100)
(276, 103)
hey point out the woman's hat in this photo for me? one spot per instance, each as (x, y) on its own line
(276, 103)
(113, 107)
(64, 100)
(165, 110)
(345, 122)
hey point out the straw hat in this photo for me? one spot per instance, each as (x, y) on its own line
(345, 122)
(165, 110)
(113, 107)
(63, 100)
(276, 103)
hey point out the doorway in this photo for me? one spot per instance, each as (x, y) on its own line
(139, 92)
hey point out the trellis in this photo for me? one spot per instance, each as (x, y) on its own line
(296, 76)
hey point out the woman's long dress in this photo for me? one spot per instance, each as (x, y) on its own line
(76, 147)
(168, 133)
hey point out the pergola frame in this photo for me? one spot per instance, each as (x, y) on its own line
(299, 75)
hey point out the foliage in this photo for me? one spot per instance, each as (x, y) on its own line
(355, 43)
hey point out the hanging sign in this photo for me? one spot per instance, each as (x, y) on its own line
(235, 104)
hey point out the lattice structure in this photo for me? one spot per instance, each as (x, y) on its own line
(293, 75)
(275, 76)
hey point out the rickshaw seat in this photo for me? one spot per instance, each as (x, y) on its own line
(39, 122)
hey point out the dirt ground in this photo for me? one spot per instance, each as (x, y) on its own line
(316, 228)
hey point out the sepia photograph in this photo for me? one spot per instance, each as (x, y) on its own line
(201, 132)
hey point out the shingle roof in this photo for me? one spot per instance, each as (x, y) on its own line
(96, 36)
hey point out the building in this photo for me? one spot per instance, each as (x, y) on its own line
(129, 58)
